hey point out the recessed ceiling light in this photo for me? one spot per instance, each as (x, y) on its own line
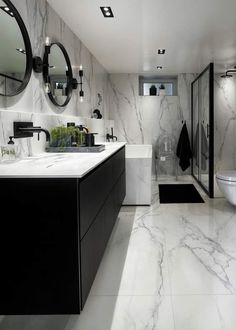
(7, 10)
(159, 67)
(107, 12)
(161, 51)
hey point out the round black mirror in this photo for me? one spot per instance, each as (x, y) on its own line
(57, 74)
(15, 51)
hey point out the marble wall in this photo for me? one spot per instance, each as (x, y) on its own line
(143, 119)
(33, 104)
(225, 125)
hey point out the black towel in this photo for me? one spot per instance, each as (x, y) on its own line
(184, 152)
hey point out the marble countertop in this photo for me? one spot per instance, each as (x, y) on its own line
(64, 165)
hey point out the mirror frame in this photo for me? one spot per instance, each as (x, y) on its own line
(46, 76)
(28, 49)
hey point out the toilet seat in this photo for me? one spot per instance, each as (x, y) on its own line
(226, 176)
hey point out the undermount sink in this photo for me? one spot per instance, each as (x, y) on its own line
(82, 148)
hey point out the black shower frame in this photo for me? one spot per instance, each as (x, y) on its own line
(210, 68)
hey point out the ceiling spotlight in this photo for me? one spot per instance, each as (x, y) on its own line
(107, 12)
(161, 51)
(159, 67)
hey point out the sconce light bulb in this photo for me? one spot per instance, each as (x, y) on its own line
(81, 99)
(81, 67)
(47, 41)
(47, 88)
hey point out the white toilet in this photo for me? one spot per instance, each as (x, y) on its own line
(226, 181)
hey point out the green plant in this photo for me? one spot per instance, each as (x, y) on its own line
(62, 136)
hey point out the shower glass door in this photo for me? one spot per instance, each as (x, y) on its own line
(202, 129)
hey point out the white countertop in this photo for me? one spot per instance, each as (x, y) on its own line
(64, 165)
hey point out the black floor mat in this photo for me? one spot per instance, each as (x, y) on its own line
(179, 193)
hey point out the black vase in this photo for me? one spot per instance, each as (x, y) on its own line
(153, 90)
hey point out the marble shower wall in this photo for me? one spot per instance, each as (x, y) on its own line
(225, 125)
(142, 119)
(41, 21)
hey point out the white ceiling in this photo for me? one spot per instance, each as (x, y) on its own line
(193, 32)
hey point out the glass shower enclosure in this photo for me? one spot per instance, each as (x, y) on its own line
(202, 132)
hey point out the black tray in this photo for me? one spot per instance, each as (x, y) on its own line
(95, 148)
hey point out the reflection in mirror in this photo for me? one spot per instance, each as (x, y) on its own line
(15, 51)
(58, 74)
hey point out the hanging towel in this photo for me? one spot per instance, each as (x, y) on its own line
(183, 151)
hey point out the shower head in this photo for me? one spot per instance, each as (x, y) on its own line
(227, 75)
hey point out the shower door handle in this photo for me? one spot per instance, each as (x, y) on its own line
(208, 130)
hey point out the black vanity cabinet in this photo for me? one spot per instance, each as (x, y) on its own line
(101, 195)
(53, 236)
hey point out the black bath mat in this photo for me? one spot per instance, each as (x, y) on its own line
(179, 193)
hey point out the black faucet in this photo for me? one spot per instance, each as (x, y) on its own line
(26, 129)
(111, 136)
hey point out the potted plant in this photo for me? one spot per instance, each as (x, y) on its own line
(162, 90)
(62, 136)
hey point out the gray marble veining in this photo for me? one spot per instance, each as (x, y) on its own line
(166, 267)
(33, 104)
(142, 119)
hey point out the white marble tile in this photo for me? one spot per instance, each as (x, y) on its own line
(125, 313)
(166, 267)
(137, 245)
(196, 313)
(41, 21)
(194, 255)
(226, 308)
(32, 322)
(142, 119)
(224, 124)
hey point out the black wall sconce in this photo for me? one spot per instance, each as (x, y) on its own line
(38, 64)
(76, 83)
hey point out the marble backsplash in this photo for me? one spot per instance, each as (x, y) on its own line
(143, 119)
(33, 104)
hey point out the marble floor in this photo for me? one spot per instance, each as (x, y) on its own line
(166, 267)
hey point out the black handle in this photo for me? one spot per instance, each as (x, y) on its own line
(208, 130)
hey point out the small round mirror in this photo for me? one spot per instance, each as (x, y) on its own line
(57, 74)
(15, 51)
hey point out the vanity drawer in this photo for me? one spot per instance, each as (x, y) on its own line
(93, 192)
(92, 248)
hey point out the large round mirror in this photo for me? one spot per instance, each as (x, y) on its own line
(15, 51)
(57, 74)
